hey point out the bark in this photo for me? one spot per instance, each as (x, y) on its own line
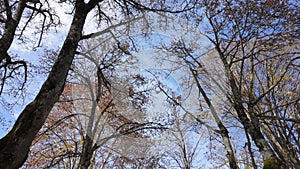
(271, 163)
(223, 130)
(11, 25)
(14, 147)
(87, 153)
(250, 125)
(281, 148)
(89, 147)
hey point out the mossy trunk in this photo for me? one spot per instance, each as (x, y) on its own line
(271, 164)
(249, 121)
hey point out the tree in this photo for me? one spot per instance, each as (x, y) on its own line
(255, 45)
(247, 38)
(94, 102)
(196, 68)
(241, 46)
(90, 86)
(15, 145)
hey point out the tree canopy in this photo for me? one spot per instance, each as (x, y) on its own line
(150, 84)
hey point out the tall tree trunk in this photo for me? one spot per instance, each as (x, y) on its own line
(250, 125)
(87, 153)
(14, 147)
(223, 130)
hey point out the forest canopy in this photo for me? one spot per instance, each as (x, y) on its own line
(149, 84)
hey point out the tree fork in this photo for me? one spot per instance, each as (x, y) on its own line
(14, 147)
(250, 126)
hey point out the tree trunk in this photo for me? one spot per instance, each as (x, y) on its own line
(14, 147)
(10, 28)
(251, 126)
(223, 130)
(87, 153)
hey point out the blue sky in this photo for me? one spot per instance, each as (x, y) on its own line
(148, 63)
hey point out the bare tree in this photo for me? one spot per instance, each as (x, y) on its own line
(15, 145)
(10, 17)
(247, 37)
(93, 114)
(198, 72)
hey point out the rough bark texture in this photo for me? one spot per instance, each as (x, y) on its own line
(15, 145)
(251, 125)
